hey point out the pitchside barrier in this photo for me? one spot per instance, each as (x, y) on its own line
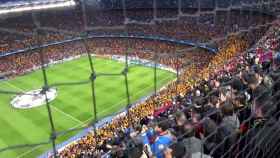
(120, 58)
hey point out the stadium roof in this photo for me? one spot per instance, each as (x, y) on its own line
(12, 6)
(9, 6)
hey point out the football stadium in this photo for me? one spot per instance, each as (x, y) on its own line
(139, 78)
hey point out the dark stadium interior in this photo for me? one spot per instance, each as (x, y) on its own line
(225, 54)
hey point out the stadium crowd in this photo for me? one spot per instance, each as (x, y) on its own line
(219, 106)
(229, 109)
(18, 32)
(21, 63)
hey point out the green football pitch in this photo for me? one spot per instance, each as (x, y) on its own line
(73, 105)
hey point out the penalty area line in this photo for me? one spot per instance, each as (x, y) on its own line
(66, 114)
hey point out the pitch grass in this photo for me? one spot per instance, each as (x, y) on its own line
(73, 106)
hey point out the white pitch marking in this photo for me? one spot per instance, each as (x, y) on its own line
(55, 108)
(80, 122)
(28, 151)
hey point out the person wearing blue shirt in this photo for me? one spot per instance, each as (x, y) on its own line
(160, 144)
(163, 139)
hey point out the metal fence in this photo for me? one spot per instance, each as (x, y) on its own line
(223, 105)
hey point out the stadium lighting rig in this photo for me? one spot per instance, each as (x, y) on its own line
(35, 5)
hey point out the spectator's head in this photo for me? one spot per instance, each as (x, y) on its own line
(209, 126)
(213, 100)
(263, 106)
(135, 151)
(244, 77)
(199, 103)
(180, 118)
(217, 83)
(227, 108)
(197, 93)
(236, 85)
(195, 116)
(176, 150)
(189, 130)
(240, 100)
(117, 151)
(162, 125)
(258, 91)
(253, 80)
(225, 94)
(276, 86)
